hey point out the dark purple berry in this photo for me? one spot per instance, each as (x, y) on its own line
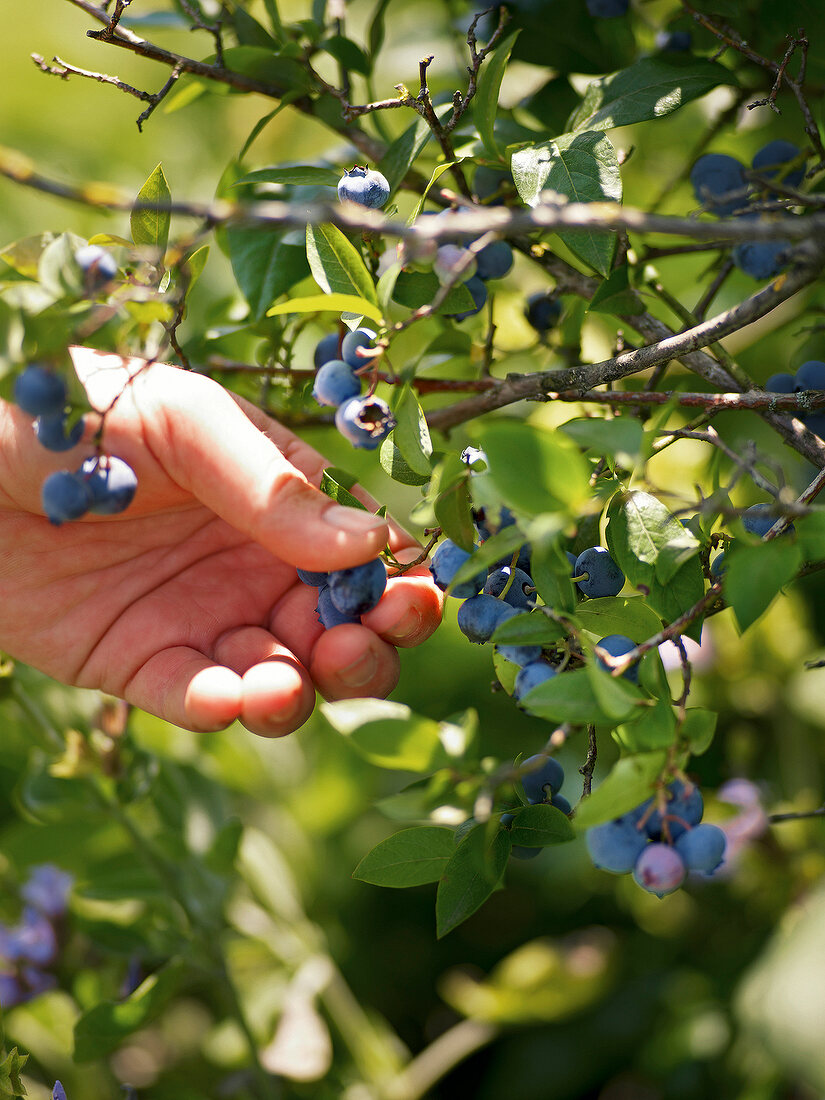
(357, 590)
(364, 421)
(40, 392)
(543, 782)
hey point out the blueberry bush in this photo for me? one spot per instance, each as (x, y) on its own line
(547, 280)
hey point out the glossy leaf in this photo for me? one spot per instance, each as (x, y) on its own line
(529, 628)
(644, 533)
(333, 488)
(411, 434)
(395, 466)
(539, 826)
(411, 857)
(535, 470)
(568, 697)
(485, 104)
(616, 295)
(264, 266)
(328, 303)
(472, 873)
(755, 574)
(619, 438)
(403, 152)
(414, 289)
(336, 264)
(628, 615)
(150, 226)
(630, 782)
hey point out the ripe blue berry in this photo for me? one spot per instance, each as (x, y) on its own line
(603, 577)
(718, 566)
(607, 9)
(616, 845)
(364, 421)
(446, 562)
(65, 496)
(761, 259)
(478, 292)
(810, 376)
(684, 808)
(98, 267)
(51, 432)
(326, 349)
(771, 159)
(449, 258)
(659, 870)
(617, 645)
(531, 676)
(328, 614)
(335, 383)
(358, 589)
(520, 655)
(58, 1092)
(40, 392)
(112, 483)
(702, 848)
(516, 596)
(545, 781)
(479, 616)
(542, 311)
(673, 41)
(312, 579)
(494, 261)
(360, 338)
(781, 383)
(719, 183)
(364, 186)
(759, 518)
(561, 803)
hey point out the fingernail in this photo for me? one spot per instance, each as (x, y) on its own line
(360, 672)
(353, 520)
(408, 625)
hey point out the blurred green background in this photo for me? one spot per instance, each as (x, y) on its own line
(714, 991)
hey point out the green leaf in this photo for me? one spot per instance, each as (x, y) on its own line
(389, 735)
(631, 780)
(411, 434)
(583, 168)
(150, 226)
(529, 628)
(403, 152)
(628, 615)
(23, 256)
(619, 438)
(472, 873)
(333, 488)
(438, 171)
(297, 174)
(536, 470)
(567, 697)
(336, 264)
(618, 698)
(616, 295)
(11, 1083)
(810, 535)
(485, 104)
(346, 53)
(654, 729)
(698, 729)
(682, 591)
(550, 571)
(646, 538)
(650, 88)
(755, 574)
(395, 466)
(285, 74)
(540, 825)
(411, 857)
(264, 266)
(375, 37)
(194, 264)
(414, 289)
(328, 303)
(102, 1029)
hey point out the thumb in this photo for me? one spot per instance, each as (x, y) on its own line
(205, 443)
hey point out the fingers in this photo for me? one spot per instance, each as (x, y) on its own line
(185, 688)
(409, 611)
(350, 661)
(208, 446)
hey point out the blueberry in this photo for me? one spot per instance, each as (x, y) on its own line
(479, 616)
(531, 676)
(715, 177)
(616, 845)
(58, 1092)
(471, 455)
(494, 261)
(683, 809)
(659, 870)
(113, 484)
(364, 421)
(12, 994)
(328, 613)
(718, 566)
(446, 562)
(561, 803)
(759, 518)
(326, 350)
(673, 41)
(98, 266)
(545, 781)
(34, 938)
(520, 655)
(47, 889)
(65, 496)
(781, 383)
(603, 577)
(761, 259)
(314, 580)
(448, 258)
(810, 376)
(364, 186)
(617, 645)
(360, 338)
(516, 596)
(702, 848)
(542, 311)
(51, 432)
(478, 292)
(335, 383)
(488, 182)
(40, 392)
(358, 589)
(607, 9)
(771, 159)
(487, 526)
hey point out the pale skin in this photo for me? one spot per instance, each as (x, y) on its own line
(188, 604)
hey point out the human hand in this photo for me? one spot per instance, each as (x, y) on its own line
(188, 604)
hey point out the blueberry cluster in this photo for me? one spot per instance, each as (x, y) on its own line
(104, 484)
(344, 595)
(810, 376)
(29, 947)
(659, 843)
(721, 183)
(364, 421)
